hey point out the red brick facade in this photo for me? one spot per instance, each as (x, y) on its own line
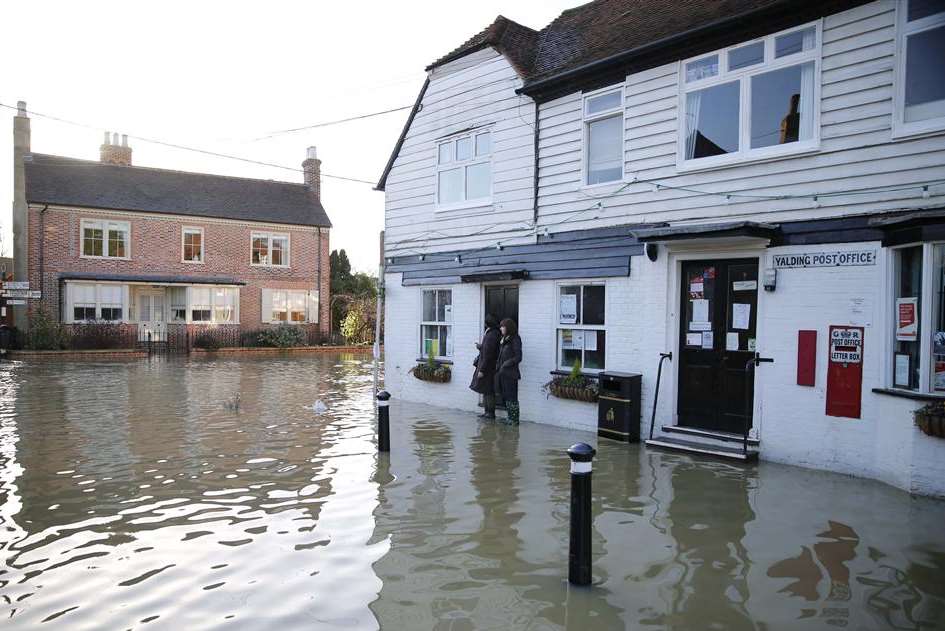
(156, 249)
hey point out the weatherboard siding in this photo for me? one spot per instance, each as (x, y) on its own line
(857, 149)
(477, 90)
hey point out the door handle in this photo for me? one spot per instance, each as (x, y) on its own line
(758, 359)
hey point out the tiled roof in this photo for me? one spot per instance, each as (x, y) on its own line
(70, 182)
(518, 43)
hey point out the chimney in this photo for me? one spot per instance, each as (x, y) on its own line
(114, 153)
(21, 235)
(313, 172)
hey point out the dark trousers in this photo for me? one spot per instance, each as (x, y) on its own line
(507, 388)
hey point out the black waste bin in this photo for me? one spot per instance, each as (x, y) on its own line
(618, 406)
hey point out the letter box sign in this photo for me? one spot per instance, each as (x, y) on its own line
(845, 371)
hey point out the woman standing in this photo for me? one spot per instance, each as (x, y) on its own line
(507, 373)
(483, 380)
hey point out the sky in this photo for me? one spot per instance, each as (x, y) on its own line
(220, 75)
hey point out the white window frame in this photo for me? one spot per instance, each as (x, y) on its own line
(269, 236)
(559, 326)
(464, 164)
(904, 29)
(267, 300)
(189, 305)
(449, 323)
(745, 153)
(184, 231)
(587, 119)
(99, 303)
(105, 225)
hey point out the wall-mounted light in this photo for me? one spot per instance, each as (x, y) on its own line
(652, 251)
(925, 192)
(771, 279)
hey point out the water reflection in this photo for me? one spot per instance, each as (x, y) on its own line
(132, 494)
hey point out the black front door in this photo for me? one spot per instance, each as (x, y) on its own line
(719, 308)
(502, 302)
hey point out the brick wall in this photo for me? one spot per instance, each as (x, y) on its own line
(156, 249)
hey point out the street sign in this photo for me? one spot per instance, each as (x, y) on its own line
(16, 302)
(18, 284)
(22, 293)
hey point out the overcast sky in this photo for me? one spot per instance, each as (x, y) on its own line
(217, 75)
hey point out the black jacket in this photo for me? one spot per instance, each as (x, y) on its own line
(485, 363)
(510, 356)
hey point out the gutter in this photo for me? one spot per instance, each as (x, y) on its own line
(535, 183)
(417, 106)
(42, 255)
(531, 89)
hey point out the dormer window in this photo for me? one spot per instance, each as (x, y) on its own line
(464, 170)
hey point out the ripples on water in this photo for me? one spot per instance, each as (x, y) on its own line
(139, 495)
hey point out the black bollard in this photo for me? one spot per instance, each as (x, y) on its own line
(579, 554)
(383, 420)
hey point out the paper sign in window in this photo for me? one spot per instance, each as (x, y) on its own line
(907, 322)
(590, 340)
(700, 310)
(693, 339)
(731, 341)
(708, 340)
(741, 315)
(568, 309)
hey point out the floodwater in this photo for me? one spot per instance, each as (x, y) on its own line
(144, 494)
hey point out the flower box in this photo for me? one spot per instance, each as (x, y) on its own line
(930, 418)
(435, 374)
(586, 393)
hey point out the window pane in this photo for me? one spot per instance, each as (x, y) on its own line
(83, 312)
(781, 106)
(464, 148)
(594, 349)
(746, 56)
(702, 68)
(446, 152)
(938, 319)
(430, 340)
(712, 121)
(279, 247)
(569, 309)
(484, 144)
(605, 150)
(908, 301)
(593, 304)
(297, 306)
(193, 250)
(451, 186)
(444, 305)
(279, 306)
(568, 353)
(478, 180)
(111, 313)
(260, 250)
(116, 243)
(919, 9)
(795, 42)
(602, 103)
(92, 245)
(429, 306)
(925, 75)
(446, 341)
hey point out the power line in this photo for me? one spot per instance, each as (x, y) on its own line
(273, 134)
(192, 149)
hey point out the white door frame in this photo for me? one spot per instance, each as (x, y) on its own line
(145, 325)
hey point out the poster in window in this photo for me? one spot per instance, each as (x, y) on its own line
(567, 309)
(907, 322)
(700, 310)
(590, 340)
(902, 370)
(741, 315)
(572, 340)
(708, 340)
(693, 339)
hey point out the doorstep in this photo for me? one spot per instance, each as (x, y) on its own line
(706, 433)
(688, 446)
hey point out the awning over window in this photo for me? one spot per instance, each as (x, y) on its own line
(911, 227)
(705, 232)
(153, 279)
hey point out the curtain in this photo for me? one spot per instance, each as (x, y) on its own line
(693, 106)
(806, 123)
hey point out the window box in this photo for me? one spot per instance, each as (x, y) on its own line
(574, 386)
(432, 371)
(930, 418)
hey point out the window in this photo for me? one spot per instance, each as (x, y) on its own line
(464, 169)
(90, 302)
(200, 304)
(583, 337)
(290, 306)
(920, 89)
(603, 137)
(105, 239)
(224, 304)
(110, 302)
(270, 250)
(192, 239)
(177, 298)
(754, 100)
(436, 325)
(83, 303)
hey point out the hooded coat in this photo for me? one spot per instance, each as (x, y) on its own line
(486, 362)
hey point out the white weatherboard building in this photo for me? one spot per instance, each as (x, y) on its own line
(645, 177)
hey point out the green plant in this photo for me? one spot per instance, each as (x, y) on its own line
(357, 327)
(208, 341)
(575, 379)
(282, 336)
(46, 333)
(431, 360)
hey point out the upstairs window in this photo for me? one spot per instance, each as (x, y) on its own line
(105, 239)
(192, 243)
(464, 170)
(603, 137)
(920, 89)
(754, 100)
(270, 250)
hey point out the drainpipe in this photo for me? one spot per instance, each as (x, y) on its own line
(321, 262)
(42, 258)
(535, 182)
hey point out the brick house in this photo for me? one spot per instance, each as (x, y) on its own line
(160, 251)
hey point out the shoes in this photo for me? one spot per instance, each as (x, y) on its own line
(486, 417)
(512, 409)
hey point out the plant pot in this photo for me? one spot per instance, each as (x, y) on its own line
(574, 393)
(440, 374)
(931, 423)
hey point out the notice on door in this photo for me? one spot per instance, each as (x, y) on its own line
(907, 323)
(741, 315)
(700, 310)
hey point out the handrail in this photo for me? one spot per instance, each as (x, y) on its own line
(656, 394)
(750, 366)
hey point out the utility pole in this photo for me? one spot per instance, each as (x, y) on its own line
(379, 313)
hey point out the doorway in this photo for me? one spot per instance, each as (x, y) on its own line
(151, 317)
(501, 302)
(718, 321)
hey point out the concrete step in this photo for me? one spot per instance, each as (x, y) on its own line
(725, 437)
(690, 446)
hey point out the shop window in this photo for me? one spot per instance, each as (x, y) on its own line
(436, 325)
(581, 331)
(920, 89)
(603, 137)
(754, 100)
(908, 294)
(464, 170)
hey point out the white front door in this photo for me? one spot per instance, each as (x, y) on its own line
(151, 317)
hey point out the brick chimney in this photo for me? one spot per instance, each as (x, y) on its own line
(312, 167)
(113, 153)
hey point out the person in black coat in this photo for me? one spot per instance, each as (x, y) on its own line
(483, 380)
(507, 373)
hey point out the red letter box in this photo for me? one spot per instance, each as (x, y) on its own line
(845, 371)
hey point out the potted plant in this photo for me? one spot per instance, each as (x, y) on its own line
(573, 386)
(430, 371)
(930, 418)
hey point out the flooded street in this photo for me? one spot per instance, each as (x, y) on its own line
(195, 494)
